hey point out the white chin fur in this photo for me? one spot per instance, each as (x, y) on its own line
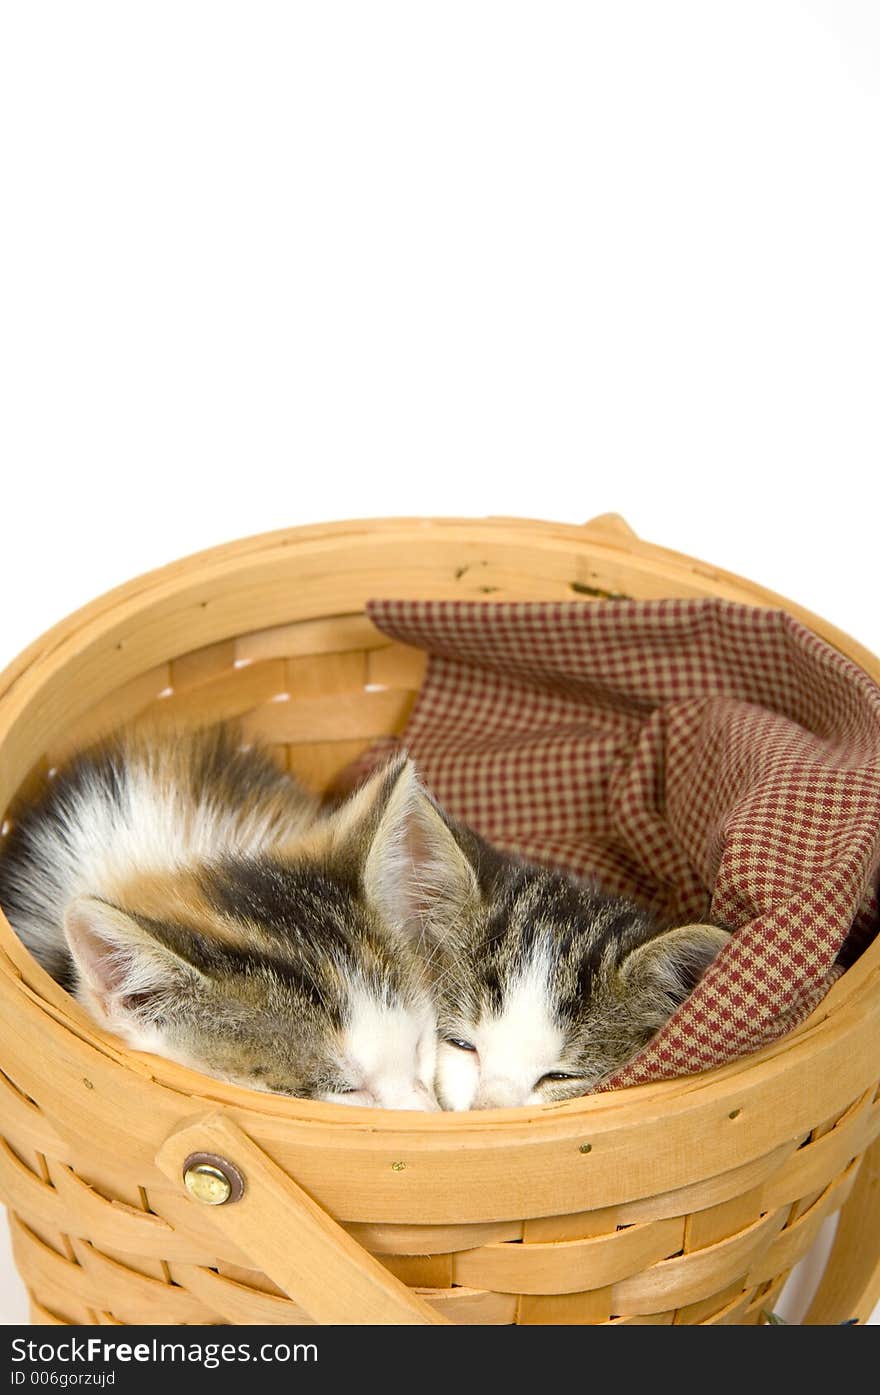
(515, 1048)
(391, 1051)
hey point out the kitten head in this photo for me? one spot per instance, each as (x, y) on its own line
(281, 971)
(544, 985)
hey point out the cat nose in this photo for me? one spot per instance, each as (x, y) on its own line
(500, 1092)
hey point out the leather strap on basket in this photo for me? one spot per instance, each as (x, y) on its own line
(291, 1239)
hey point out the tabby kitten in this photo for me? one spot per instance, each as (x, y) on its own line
(200, 905)
(545, 986)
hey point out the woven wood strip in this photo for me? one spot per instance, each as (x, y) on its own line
(707, 1227)
(337, 634)
(323, 675)
(230, 695)
(731, 1314)
(469, 1306)
(432, 1239)
(569, 1266)
(251, 1278)
(396, 666)
(588, 1308)
(794, 1241)
(121, 706)
(643, 1320)
(690, 1277)
(234, 1302)
(26, 1124)
(135, 1297)
(189, 671)
(814, 1165)
(108, 1223)
(421, 1271)
(765, 1300)
(45, 1271)
(41, 1317)
(363, 715)
(579, 1225)
(714, 1191)
(713, 1308)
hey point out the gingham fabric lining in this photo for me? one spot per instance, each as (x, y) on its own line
(708, 758)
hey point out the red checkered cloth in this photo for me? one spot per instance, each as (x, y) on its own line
(709, 759)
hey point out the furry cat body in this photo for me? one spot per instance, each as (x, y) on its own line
(545, 985)
(200, 905)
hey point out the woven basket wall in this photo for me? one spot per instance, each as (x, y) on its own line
(685, 1202)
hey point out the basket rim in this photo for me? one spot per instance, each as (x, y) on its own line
(855, 998)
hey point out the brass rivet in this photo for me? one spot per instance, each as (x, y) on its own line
(734, 1113)
(88, 1084)
(212, 1179)
(207, 1184)
(586, 1148)
(398, 1166)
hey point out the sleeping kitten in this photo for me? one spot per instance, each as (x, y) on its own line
(545, 986)
(199, 905)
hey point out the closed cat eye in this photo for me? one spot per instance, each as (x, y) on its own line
(558, 1075)
(462, 1045)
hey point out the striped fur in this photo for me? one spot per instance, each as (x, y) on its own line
(545, 986)
(200, 905)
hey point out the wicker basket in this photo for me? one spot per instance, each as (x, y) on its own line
(687, 1201)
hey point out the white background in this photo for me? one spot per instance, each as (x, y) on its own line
(266, 264)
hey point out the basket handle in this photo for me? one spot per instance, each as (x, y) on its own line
(290, 1237)
(850, 1285)
(612, 526)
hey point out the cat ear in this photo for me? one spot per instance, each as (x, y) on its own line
(122, 966)
(673, 963)
(413, 870)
